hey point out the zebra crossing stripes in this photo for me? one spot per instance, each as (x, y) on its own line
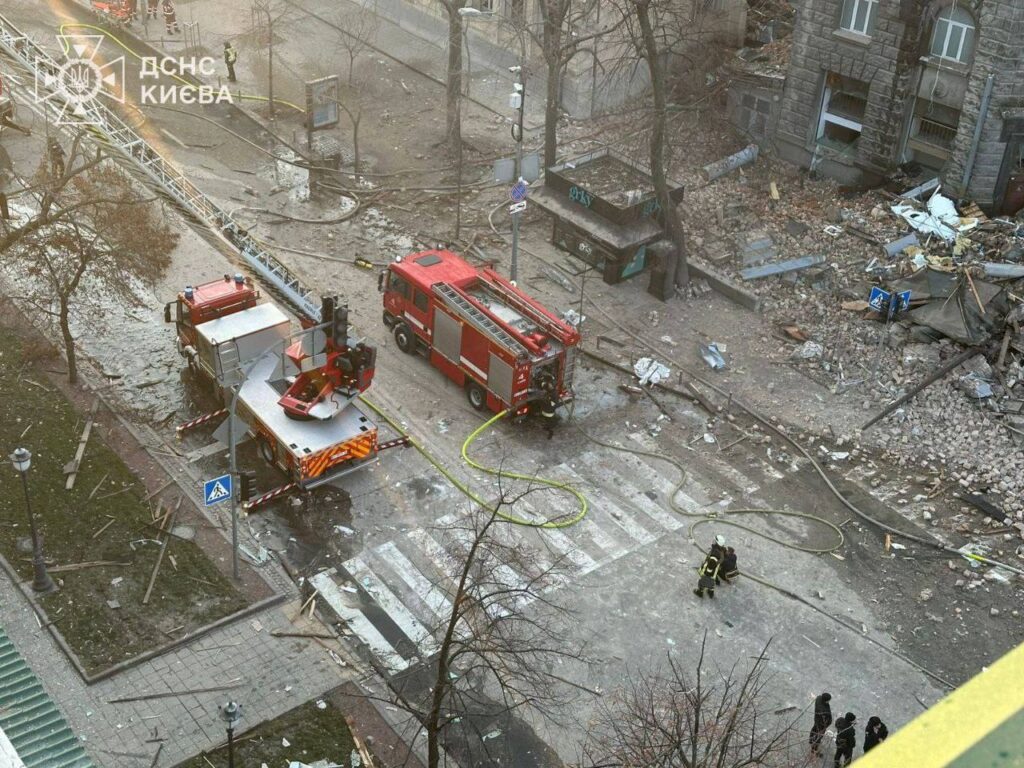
(393, 607)
(569, 550)
(357, 622)
(410, 578)
(432, 595)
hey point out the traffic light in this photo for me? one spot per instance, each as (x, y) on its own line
(339, 324)
(246, 485)
(334, 315)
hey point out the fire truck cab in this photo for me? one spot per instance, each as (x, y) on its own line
(484, 333)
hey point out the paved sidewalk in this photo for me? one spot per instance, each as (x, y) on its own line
(276, 674)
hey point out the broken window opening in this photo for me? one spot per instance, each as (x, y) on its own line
(859, 16)
(932, 133)
(953, 35)
(843, 105)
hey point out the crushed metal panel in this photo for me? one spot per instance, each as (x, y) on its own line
(756, 273)
(499, 378)
(447, 336)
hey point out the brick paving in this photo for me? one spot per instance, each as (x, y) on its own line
(276, 674)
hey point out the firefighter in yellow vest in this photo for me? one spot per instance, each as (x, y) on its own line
(709, 572)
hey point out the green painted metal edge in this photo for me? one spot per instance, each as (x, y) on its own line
(31, 720)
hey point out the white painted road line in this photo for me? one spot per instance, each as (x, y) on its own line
(358, 623)
(392, 606)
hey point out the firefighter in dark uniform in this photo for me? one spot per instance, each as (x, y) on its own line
(729, 568)
(709, 572)
(875, 733)
(170, 17)
(152, 9)
(549, 406)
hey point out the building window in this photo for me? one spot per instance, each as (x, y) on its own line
(953, 35)
(859, 16)
(842, 111)
(487, 6)
(932, 133)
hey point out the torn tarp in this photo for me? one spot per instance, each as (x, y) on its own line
(952, 308)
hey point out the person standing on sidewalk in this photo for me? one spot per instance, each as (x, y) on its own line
(170, 17)
(230, 57)
(846, 739)
(875, 733)
(822, 720)
(152, 9)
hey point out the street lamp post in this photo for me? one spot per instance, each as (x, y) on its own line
(41, 581)
(231, 713)
(518, 103)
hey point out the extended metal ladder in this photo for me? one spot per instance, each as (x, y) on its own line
(113, 132)
(467, 309)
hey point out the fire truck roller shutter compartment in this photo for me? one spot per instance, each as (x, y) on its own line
(499, 379)
(447, 336)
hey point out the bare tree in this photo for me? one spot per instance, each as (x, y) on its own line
(493, 653)
(453, 76)
(698, 720)
(356, 34)
(91, 229)
(560, 42)
(352, 106)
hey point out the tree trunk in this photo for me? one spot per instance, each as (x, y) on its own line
(453, 85)
(677, 273)
(69, 343)
(553, 59)
(355, 142)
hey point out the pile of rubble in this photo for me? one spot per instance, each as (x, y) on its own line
(872, 293)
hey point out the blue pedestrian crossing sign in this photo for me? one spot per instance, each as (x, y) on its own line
(879, 300)
(217, 490)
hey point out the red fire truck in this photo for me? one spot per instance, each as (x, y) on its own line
(296, 392)
(487, 335)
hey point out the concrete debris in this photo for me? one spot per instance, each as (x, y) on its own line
(650, 371)
(975, 386)
(809, 350)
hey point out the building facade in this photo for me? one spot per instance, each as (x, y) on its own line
(874, 84)
(595, 79)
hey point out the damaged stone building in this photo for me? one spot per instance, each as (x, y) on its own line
(872, 85)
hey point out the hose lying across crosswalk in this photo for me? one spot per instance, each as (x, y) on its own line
(495, 507)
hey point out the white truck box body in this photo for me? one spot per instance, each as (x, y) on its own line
(251, 332)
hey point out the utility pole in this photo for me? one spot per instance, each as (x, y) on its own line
(233, 470)
(518, 103)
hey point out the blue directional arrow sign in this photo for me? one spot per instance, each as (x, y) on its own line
(217, 490)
